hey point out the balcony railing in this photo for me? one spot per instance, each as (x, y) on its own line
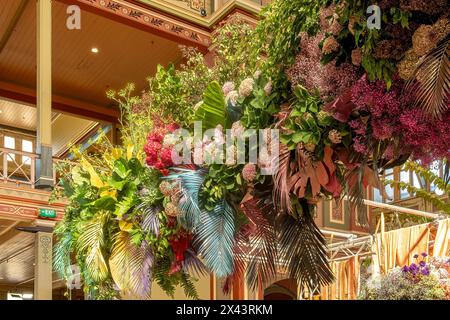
(19, 168)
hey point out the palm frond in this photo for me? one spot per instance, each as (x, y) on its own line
(303, 249)
(430, 82)
(262, 264)
(190, 182)
(131, 265)
(355, 191)
(91, 243)
(215, 238)
(61, 255)
(240, 251)
(193, 265)
(150, 221)
(281, 192)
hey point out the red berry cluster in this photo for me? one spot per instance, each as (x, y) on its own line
(158, 155)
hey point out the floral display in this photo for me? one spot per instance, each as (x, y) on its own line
(302, 108)
(420, 280)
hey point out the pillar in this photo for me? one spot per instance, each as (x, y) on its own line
(43, 280)
(44, 165)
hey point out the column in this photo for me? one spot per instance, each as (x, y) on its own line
(43, 280)
(44, 165)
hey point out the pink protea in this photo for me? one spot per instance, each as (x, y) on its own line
(249, 172)
(166, 188)
(330, 45)
(171, 210)
(334, 136)
(227, 87)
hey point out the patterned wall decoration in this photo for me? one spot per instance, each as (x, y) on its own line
(24, 211)
(154, 20)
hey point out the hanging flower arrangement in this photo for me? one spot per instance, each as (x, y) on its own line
(319, 117)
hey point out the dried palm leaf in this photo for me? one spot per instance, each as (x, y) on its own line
(262, 264)
(303, 248)
(281, 188)
(430, 82)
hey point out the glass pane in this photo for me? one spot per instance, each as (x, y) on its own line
(26, 160)
(390, 193)
(10, 143)
(404, 177)
(377, 195)
(27, 146)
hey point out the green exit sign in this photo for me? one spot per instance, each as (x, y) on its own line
(47, 213)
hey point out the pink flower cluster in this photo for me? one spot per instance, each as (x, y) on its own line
(387, 114)
(331, 79)
(159, 155)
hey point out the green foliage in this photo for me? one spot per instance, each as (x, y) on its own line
(260, 106)
(131, 112)
(213, 112)
(356, 34)
(428, 177)
(161, 274)
(104, 223)
(234, 45)
(169, 95)
(278, 32)
(307, 124)
(220, 182)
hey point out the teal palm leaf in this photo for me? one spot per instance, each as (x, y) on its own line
(215, 238)
(191, 182)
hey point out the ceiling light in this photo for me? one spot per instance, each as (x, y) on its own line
(94, 50)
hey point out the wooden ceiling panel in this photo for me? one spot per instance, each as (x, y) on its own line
(125, 55)
(17, 115)
(17, 258)
(68, 130)
(7, 11)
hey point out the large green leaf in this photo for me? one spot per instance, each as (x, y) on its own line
(213, 110)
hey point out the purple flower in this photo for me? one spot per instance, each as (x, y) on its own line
(425, 271)
(416, 256)
(413, 266)
(405, 269)
(424, 254)
(422, 264)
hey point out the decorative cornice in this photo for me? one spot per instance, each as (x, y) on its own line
(168, 20)
(251, 8)
(152, 19)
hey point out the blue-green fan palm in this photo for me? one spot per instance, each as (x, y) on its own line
(190, 182)
(214, 231)
(215, 238)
